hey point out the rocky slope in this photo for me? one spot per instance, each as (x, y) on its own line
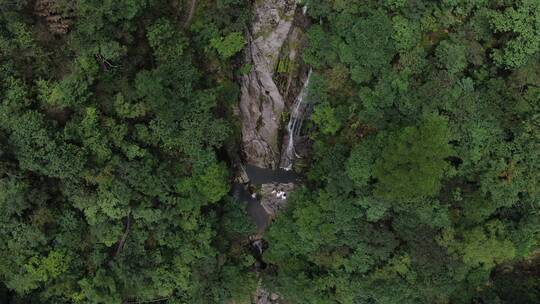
(267, 91)
(262, 104)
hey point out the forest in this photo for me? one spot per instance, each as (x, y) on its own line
(124, 125)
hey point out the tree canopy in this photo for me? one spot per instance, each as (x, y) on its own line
(422, 184)
(118, 143)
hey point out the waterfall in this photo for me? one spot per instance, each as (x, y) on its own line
(298, 113)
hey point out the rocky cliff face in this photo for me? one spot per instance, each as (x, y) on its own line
(261, 103)
(273, 50)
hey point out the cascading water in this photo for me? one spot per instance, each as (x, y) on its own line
(278, 32)
(298, 113)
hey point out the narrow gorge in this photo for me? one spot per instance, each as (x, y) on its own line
(273, 92)
(273, 107)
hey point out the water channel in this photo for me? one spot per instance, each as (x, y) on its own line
(245, 192)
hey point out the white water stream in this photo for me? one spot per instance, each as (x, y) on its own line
(294, 126)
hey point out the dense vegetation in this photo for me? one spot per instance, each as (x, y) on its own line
(424, 174)
(110, 187)
(422, 187)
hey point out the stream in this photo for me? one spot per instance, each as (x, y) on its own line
(277, 83)
(299, 111)
(259, 176)
(283, 175)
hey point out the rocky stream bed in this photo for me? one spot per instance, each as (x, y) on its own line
(272, 109)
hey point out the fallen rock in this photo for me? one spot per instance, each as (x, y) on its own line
(274, 197)
(261, 295)
(274, 296)
(241, 175)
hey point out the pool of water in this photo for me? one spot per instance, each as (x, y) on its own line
(254, 208)
(260, 176)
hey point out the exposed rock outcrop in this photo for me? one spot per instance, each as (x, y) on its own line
(275, 41)
(274, 196)
(263, 296)
(261, 103)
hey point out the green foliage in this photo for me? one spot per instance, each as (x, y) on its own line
(452, 56)
(320, 51)
(517, 285)
(423, 177)
(523, 21)
(229, 45)
(412, 161)
(368, 47)
(405, 33)
(489, 248)
(360, 164)
(325, 117)
(403, 205)
(110, 187)
(168, 44)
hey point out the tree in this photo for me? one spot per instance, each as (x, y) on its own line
(412, 161)
(325, 117)
(452, 56)
(229, 45)
(523, 21)
(367, 48)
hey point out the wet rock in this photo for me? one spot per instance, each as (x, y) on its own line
(274, 197)
(300, 110)
(274, 296)
(261, 103)
(241, 176)
(261, 295)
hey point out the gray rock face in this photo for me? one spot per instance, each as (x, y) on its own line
(261, 103)
(264, 296)
(274, 197)
(274, 296)
(261, 295)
